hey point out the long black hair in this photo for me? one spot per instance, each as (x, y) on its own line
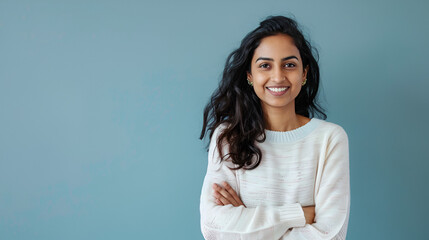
(236, 105)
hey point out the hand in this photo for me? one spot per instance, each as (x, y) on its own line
(226, 195)
(309, 213)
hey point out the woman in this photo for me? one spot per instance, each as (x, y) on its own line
(274, 170)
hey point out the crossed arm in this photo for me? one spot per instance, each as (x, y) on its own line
(225, 195)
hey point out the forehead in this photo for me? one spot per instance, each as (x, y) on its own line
(277, 46)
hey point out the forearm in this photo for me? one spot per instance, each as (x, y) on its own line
(229, 222)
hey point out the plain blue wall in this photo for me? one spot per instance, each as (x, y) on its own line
(101, 108)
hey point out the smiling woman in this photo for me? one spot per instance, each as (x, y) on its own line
(277, 80)
(275, 171)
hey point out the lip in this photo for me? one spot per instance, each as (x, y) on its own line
(278, 93)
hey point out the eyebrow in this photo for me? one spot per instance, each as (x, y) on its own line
(270, 59)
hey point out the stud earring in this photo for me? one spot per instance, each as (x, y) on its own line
(305, 81)
(249, 82)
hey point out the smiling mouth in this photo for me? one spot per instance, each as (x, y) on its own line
(277, 91)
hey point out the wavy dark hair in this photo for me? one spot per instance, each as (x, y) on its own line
(236, 105)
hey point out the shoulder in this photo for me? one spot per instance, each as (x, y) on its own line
(214, 139)
(216, 158)
(331, 130)
(218, 130)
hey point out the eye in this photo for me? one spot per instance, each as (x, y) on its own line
(290, 65)
(264, 65)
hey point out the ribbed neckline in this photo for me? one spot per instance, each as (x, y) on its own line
(292, 135)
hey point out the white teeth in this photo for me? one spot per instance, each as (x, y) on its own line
(278, 89)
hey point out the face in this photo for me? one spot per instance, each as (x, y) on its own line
(277, 72)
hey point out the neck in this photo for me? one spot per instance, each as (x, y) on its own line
(282, 119)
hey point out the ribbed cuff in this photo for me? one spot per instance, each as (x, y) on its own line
(293, 214)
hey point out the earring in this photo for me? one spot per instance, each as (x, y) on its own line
(249, 82)
(303, 83)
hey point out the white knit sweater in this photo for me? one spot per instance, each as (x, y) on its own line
(302, 167)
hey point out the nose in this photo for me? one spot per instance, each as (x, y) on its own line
(277, 75)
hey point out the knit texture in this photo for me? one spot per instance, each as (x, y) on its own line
(308, 166)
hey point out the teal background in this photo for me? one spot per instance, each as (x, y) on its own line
(101, 108)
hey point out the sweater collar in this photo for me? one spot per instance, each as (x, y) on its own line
(292, 135)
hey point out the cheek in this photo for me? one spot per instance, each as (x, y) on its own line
(296, 89)
(259, 89)
(260, 78)
(296, 79)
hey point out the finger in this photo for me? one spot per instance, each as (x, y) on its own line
(222, 199)
(225, 194)
(216, 195)
(219, 198)
(228, 196)
(232, 192)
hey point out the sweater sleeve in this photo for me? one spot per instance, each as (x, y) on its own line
(229, 222)
(332, 201)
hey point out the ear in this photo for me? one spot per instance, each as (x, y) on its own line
(304, 75)
(249, 76)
